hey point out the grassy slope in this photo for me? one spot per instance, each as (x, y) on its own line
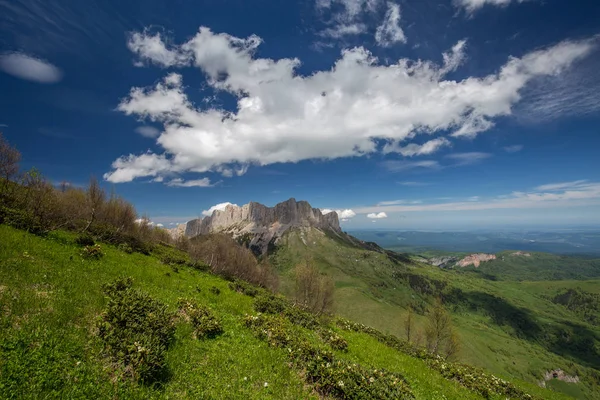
(540, 266)
(366, 293)
(50, 297)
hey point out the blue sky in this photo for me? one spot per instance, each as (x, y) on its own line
(396, 114)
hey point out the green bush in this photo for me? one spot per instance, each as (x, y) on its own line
(202, 318)
(136, 331)
(332, 378)
(470, 377)
(332, 338)
(344, 380)
(215, 290)
(21, 219)
(125, 247)
(92, 252)
(85, 240)
(301, 316)
(270, 304)
(244, 287)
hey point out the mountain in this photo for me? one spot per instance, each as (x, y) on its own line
(260, 226)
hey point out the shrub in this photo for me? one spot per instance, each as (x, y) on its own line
(470, 377)
(20, 219)
(125, 247)
(215, 290)
(136, 331)
(332, 378)
(202, 318)
(270, 304)
(344, 380)
(244, 287)
(301, 316)
(92, 252)
(332, 338)
(85, 240)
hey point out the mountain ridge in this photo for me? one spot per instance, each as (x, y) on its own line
(264, 225)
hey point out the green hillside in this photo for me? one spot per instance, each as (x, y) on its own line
(507, 327)
(51, 344)
(538, 266)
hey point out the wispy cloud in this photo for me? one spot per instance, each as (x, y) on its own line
(468, 158)
(515, 148)
(412, 183)
(471, 6)
(574, 93)
(396, 202)
(573, 185)
(402, 165)
(563, 194)
(30, 68)
(147, 131)
(204, 182)
(413, 149)
(390, 32)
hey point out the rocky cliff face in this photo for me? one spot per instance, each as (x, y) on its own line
(476, 259)
(261, 225)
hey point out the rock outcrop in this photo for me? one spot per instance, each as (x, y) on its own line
(475, 259)
(443, 262)
(520, 253)
(260, 225)
(178, 231)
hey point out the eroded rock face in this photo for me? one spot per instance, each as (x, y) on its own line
(263, 224)
(475, 259)
(177, 232)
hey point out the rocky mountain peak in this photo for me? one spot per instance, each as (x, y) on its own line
(263, 224)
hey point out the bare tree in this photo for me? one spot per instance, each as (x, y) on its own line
(439, 328)
(313, 290)
(409, 325)
(9, 164)
(95, 200)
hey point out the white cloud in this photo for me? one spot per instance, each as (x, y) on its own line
(160, 225)
(390, 32)
(468, 158)
(344, 215)
(220, 207)
(144, 221)
(573, 185)
(455, 57)
(412, 183)
(514, 148)
(339, 31)
(473, 198)
(403, 165)
(152, 48)
(30, 68)
(564, 194)
(282, 116)
(377, 215)
(127, 168)
(178, 182)
(148, 131)
(396, 202)
(414, 149)
(473, 5)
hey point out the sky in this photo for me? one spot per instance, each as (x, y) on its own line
(447, 114)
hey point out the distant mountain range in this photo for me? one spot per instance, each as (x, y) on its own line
(557, 242)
